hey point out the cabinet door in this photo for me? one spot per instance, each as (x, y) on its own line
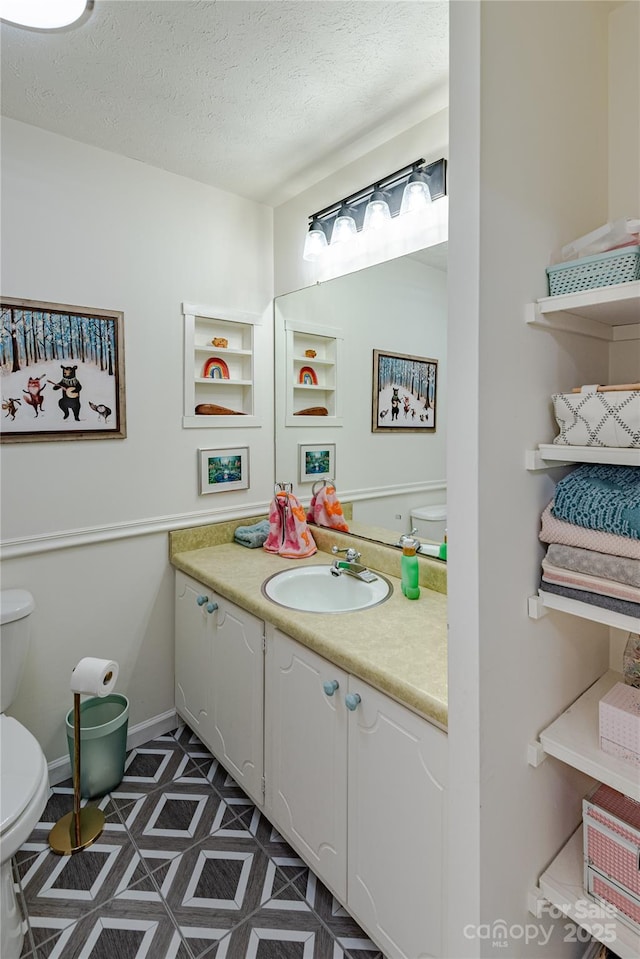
(306, 756)
(396, 790)
(237, 695)
(193, 656)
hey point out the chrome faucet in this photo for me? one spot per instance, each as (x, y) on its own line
(350, 565)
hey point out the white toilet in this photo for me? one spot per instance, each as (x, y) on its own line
(24, 776)
(430, 522)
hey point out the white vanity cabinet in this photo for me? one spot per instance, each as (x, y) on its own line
(356, 782)
(396, 815)
(219, 685)
(306, 755)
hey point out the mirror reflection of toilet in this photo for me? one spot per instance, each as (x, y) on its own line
(24, 776)
(430, 522)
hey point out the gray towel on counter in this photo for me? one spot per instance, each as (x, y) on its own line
(615, 568)
(252, 536)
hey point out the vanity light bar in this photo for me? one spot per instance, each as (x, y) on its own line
(392, 186)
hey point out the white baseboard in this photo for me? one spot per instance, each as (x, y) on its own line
(60, 769)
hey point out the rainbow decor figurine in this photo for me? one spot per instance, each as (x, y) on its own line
(308, 376)
(215, 369)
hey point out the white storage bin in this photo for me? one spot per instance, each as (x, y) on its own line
(603, 419)
(611, 836)
(619, 722)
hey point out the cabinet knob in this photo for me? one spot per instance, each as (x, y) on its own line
(352, 700)
(211, 607)
(201, 600)
(330, 686)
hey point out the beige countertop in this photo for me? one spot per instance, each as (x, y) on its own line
(400, 647)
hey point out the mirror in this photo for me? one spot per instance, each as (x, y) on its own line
(325, 338)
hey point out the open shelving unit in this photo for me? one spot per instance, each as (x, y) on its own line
(610, 314)
(607, 313)
(562, 884)
(312, 381)
(548, 455)
(574, 739)
(544, 601)
(222, 376)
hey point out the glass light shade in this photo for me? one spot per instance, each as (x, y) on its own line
(344, 226)
(42, 14)
(416, 196)
(377, 213)
(315, 242)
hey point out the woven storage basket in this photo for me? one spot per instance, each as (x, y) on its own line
(608, 419)
(610, 893)
(604, 269)
(612, 836)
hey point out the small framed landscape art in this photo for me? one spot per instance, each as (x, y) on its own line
(317, 461)
(223, 470)
(404, 393)
(61, 372)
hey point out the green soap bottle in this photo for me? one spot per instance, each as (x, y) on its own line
(442, 553)
(409, 570)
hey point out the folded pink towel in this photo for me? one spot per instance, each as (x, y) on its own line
(289, 534)
(326, 510)
(556, 530)
(591, 584)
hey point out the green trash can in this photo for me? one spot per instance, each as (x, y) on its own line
(103, 743)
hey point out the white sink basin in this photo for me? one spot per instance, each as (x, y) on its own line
(314, 589)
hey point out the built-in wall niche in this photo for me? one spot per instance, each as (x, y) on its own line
(313, 363)
(219, 367)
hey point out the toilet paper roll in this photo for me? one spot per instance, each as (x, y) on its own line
(94, 677)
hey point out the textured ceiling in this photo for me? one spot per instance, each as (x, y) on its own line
(258, 98)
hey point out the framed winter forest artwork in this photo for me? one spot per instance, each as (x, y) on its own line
(62, 372)
(404, 393)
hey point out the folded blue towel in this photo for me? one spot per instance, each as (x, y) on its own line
(601, 497)
(252, 536)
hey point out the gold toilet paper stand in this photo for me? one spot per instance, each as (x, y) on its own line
(81, 827)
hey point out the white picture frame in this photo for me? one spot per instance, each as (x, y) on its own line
(316, 461)
(223, 470)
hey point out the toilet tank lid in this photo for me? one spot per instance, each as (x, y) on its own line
(15, 604)
(433, 513)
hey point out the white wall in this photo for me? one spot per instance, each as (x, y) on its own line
(624, 150)
(624, 110)
(85, 227)
(400, 306)
(529, 131)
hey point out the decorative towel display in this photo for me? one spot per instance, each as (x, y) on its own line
(607, 418)
(594, 599)
(289, 534)
(589, 565)
(587, 561)
(326, 510)
(601, 497)
(592, 584)
(252, 536)
(558, 531)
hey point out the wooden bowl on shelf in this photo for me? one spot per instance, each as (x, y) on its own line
(313, 411)
(212, 409)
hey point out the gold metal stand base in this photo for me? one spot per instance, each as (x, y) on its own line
(65, 839)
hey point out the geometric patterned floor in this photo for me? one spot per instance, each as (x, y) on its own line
(187, 867)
